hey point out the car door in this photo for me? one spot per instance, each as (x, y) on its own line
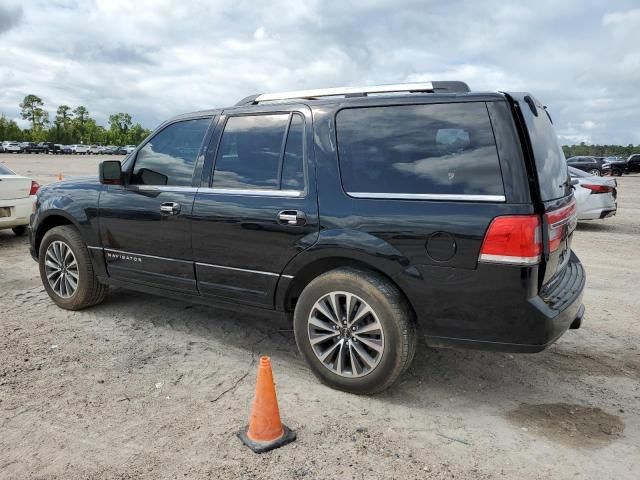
(258, 208)
(145, 224)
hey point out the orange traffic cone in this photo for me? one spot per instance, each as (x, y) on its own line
(265, 430)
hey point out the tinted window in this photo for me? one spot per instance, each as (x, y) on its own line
(170, 156)
(251, 153)
(5, 171)
(552, 170)
(422, 149)
(293, 167)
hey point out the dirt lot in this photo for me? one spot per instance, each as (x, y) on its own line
(142, 386)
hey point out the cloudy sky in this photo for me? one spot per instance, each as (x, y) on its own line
(158, 58)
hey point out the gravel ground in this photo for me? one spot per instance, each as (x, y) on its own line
(143, 386)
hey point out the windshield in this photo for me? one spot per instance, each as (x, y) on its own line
(574, 172)
(5, 170)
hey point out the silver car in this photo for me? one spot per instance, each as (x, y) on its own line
(595, 196)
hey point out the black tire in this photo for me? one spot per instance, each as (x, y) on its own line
(20, 230)
(89, 291)
(595, 172)
(395, 317)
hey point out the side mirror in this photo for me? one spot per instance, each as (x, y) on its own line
(574, 182)
(110, 172)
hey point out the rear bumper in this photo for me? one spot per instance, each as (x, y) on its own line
(498, 308)
(19, 210)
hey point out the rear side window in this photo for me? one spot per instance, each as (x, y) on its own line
(419, 149)
(169, 158)
(553, 175)
(262, 152)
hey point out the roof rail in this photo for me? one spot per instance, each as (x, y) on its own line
(421, 87)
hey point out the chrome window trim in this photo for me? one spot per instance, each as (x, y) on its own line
(259, 272)
(429, 196)
(255, 192)
(163, 188)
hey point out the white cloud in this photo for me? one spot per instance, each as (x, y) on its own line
(157, 58)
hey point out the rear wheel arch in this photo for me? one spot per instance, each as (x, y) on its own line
(323, 265)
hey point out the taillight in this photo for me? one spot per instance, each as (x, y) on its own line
(597, 188)
(513, 239)
(559, 223)
(34, 188)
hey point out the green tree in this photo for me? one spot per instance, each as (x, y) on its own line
(136, 134)
(63, 124)
(119, 125)
(81, 116)
(31, 109)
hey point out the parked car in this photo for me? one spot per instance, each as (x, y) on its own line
(129, 148)
(111, 150)
(66, 149)
(633, 163)
(93, 149)
(17, 196)
(79, 149)
(586, 164)
(32, 147)
(615, 166)
(372, 219)
(13, 147)
(595, 196)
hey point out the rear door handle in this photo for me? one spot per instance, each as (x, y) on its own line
(170, 208)
(292, 217)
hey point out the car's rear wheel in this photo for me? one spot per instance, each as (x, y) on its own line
(19, 231)
(355, 330)
(595, 171)
(66, 270)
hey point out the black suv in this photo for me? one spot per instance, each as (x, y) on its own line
(31, 147)
(591, 165)
(425, 209)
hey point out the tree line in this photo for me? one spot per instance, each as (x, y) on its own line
(600, 150)
(70, 126)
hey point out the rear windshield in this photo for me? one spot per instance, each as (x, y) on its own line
(441, 149)
(5, 171)
(549, 157)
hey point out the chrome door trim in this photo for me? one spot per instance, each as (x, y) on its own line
(122, 252)
(237, 269)
(429, 196)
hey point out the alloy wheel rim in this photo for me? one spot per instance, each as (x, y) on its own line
(61, 269)
(345, 334)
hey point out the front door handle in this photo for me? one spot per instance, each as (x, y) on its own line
(170, 208)
(292, 217)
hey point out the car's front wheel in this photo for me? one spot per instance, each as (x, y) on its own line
(595, 172)
(66, 270)
(355, 330)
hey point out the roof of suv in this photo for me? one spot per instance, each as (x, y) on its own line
(425, 90)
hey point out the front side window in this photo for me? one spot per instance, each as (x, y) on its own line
(262, 152)
(169, 158)
(419, 149)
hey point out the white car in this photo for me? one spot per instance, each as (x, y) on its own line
(129, 148)
(17, 198)
(595, 196)
(12, 147)
(80, 149)
(95, 149)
